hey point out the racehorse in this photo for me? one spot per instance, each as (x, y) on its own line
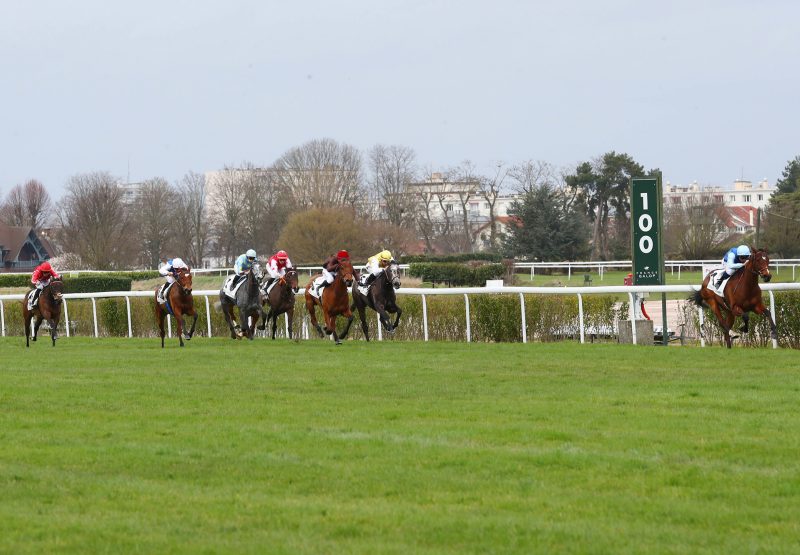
(334, 301)
(742, 295)
(248, 300)
(180, 302)
(280, 300)
(47, 308)
(381, 298)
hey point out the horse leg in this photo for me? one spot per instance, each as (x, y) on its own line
(362, 315)
(27, 317)
(274, 317)
(244, 324)
(746, 319)
(347, 327)
(730, 318)
(36, 325)
(762, 310)
(179, 324)
(312, 314)
(53, 324)
(723, 320)
(290, 316)
(332, 327)
(265, 319)
(399, 311)
(191, 330)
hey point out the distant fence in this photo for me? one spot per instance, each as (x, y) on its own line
(554, 313)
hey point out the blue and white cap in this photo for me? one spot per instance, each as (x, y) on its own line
(742, 250)
(250, 253)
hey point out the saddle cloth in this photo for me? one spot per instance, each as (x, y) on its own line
(164, 293)
(270, 287)
(313, 289)
(714, 275)
(226, 286)
(31, 304)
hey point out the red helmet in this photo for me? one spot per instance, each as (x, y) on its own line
(342, 255)
(281, 255)
(46, 267)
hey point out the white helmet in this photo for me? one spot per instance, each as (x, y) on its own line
(250, 253)
(742, 250)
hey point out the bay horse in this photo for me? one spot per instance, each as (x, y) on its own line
(281, 299)
(181, 304)
(381, 298)
(48, 307)
(742, 296)
(248, 300)
(334, 301)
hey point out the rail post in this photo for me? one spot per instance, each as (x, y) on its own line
(772, 315)
(425, 317)
(94, 316)
(128, 308)
(2, 319)
(580, 317)
(286, 324)
(702, 318)
(66, 317)
(633, 317)
(380, 327)
(208, 316)
(469, 329)
(524, 324)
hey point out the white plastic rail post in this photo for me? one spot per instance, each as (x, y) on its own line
(469, 329)
(286, 324)
(94, 316)
(128, 307)
(425, 317)
(208, 316)
(380, 328)
(169, 326)
(580, 317)
(702, 316)
(772, 315)
(66, 317)
(524, 324)
(633, 317)
(2, 319)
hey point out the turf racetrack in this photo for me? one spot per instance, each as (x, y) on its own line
(115, 445)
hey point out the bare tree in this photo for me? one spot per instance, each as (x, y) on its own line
(155, 210)
(27, 205)
(191, 221)
(95, 222)
(530, 174)
(490, 188)
(392, 168)
(696, 230)
(321, 173)
(464, 186)
(227, 214)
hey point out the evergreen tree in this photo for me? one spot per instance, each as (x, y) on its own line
(790, 181)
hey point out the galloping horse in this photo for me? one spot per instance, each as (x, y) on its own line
(334, 301)
(248, 299)
(47, 308)
(280, 300)
(180, 302)
(742, 295)
(381, 298)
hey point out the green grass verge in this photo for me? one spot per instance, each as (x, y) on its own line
(116, 445)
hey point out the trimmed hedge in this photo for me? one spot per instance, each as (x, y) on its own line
(96, 283)
(456, 274)
(466, 257)
(24, 280)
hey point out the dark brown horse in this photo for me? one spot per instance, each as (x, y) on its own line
(742, 296)
(248, 300)
(181, 304)
(381, 298)
(48, 307)
(281, 300)
(334, 301)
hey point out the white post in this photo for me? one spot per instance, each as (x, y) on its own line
(679, 271)
(793, 266)
(772, 315)
(208, 316)
(94, 316)
(633, 318)
(532, 272)
(580, 317)
(524, 324)
(469, 329)
(601, 272)
(380, 328)
(425, 317)
(2, 319)
(169, 326)
(702, 321)
(286, 324)
(569, 272)
(66, 317)
(128, 306)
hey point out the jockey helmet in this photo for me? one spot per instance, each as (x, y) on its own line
(385, 255)
(281, 255)
(342, 255)
(743, 251)
(250, 253)
(45, 267)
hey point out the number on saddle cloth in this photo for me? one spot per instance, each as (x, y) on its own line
(317, 287)
(226, 287)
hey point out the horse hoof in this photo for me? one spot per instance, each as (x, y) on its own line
(338, 342)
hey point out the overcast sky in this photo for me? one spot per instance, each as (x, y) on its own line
(706, 91)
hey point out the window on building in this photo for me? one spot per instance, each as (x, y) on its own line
(486, 205)
(760, 197)
(474, 205)
(448, 207)
(747, 198)
(731, 198)
(718, 198)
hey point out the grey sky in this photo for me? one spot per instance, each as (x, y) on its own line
(704, 90)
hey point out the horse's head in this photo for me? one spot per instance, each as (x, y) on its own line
(346, 271)
(184, 279)
(760, 262)
(393, 274)
(57, 290)
(292, 279)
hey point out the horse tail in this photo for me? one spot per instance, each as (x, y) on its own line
(697, 298)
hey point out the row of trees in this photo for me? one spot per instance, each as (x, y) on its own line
(325, 194)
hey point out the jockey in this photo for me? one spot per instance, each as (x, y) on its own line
(733, 260)
(331, 266)
(243, 264)
(41, 278)
(375, 265)
(276, 266)
(169, 270)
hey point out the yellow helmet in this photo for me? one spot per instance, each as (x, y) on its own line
(385, 255)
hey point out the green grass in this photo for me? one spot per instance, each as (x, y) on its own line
(116, 445)
(616, 278)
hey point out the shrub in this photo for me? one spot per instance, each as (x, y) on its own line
(96, 283)
(466, 257)
(456, 274)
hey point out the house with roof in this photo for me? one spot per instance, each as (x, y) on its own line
(22, 248)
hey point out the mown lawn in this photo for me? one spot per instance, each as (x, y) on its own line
(115, 445)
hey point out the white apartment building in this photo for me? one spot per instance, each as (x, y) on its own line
(743, 193)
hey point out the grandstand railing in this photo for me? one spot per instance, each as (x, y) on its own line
(770, 288)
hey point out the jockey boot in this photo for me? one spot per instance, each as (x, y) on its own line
(370, 279)
(719, 280)
(161, 293)
(34, 298)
